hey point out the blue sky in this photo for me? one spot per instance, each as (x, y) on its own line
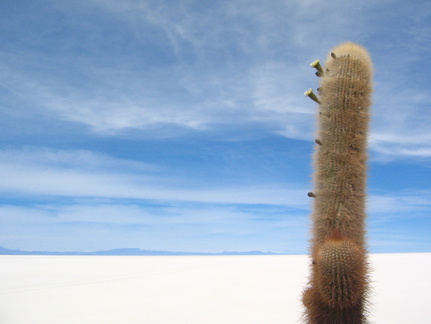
(182, 125)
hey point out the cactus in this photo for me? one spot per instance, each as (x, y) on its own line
(338, 284)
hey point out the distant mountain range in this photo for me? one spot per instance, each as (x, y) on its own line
(128, 251)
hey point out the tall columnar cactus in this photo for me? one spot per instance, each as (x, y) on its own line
(338, 283)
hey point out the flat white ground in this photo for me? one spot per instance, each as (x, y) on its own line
(193, 290)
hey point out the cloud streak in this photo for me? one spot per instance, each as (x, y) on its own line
(85, 174)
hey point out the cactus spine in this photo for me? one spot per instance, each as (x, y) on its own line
(338, 283)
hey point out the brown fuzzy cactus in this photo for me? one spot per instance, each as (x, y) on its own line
(338, 283)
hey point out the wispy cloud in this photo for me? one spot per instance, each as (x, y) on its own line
(85, 174)
(399, 221)
(220, 74)
(400, 123)
(97, 189)
(99, 202)
(225, 65)
(402, 203)
(95, 226)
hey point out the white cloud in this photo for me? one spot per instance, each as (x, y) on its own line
(398, 203)
(400, 118)
(86, 174)
(98, 225)
(213, 80)
(226, 65)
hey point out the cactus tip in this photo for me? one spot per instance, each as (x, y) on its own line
(309, 93)
(316, 64)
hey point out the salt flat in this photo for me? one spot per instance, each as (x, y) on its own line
(193, 290)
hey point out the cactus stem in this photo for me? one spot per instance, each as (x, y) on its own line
(318, 67)
(338, 286)
(312, 95)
